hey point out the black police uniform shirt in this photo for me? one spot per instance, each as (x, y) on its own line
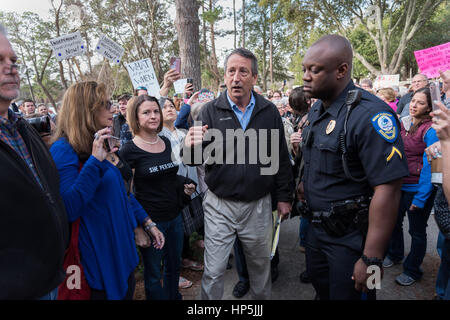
(375, 150)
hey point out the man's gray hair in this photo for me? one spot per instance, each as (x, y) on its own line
(424, 76)
(246, 54)
(367, 81)
(3, 30)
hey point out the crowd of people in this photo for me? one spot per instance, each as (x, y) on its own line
(350, 159)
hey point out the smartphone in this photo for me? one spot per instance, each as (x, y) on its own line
(435, 92)
(111, 142)
(175, 63)
(188, 95)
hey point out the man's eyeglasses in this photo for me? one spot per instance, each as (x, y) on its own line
(21, 68)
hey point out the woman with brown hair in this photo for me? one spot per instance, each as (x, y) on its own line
(93, 189)
(418, 193)
(161, 192)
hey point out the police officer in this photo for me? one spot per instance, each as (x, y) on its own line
(354, 162)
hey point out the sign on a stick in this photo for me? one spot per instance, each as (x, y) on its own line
(142, 74)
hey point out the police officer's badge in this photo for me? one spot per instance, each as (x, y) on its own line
(330, 127)
(386, 126)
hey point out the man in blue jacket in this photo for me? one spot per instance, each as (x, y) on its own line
(33, 221)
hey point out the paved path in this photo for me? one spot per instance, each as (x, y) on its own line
(292, 263)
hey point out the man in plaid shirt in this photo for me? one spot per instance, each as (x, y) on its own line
(33, 220)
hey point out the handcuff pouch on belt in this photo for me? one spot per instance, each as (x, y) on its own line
(344, 217)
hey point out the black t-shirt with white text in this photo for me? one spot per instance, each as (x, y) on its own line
(155, 179)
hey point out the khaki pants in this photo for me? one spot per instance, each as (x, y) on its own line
(252, 222)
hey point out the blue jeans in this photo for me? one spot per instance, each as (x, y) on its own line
(170, 257)
(417, 229)
(440, 284)
(444, 269)
(52, 295)
(304, 223)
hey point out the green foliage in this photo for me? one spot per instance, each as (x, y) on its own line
(436, 31)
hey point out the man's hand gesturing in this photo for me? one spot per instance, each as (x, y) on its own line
(195, 135)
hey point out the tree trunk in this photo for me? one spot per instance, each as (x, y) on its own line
(47, 93)
(205, 44)
(40, 77)
(234, 23)
(264, 40)
(271, 48)
(88, 51)
(27, 74)
(58, 33)
(31, 88)
(243, 23)
(187, 24)
(213, 60)
(153, 8)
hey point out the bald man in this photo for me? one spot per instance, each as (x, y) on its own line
(354, 163)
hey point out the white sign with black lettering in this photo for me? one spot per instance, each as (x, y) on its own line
(109, 49)
(142, 74)
(67, 46)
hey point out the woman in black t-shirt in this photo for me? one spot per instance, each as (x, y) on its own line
(161, 192)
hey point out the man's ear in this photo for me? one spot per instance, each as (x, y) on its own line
(342, 70)
(255, 79)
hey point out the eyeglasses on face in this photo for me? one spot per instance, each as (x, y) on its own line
(108, 105)
(21, 68)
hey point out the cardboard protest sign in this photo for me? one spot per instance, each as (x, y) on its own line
(142, 74)
(67, 46)
(179, 85)
(433, 59)
(109, 49)
(387, 81)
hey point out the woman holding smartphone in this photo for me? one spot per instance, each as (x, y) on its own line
(418, 193)
(161, 192)
(93, 189)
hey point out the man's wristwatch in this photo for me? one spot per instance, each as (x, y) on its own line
(372, 261)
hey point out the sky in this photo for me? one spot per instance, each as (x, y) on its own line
(42, 8)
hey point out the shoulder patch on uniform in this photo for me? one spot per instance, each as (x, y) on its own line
(386, 126)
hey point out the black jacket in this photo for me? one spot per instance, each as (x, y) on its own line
(403, 102)
(243, 181)
(33, 223)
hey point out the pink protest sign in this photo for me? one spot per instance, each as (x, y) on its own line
(433, 59)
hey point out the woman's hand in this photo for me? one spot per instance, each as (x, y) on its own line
(141, 238)
(189, 189)
(193, 98)
(296, 139)
(169, 78)
(441, 122)
(98, 149)
(157, 237)
(434, 151)
(414, 207)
